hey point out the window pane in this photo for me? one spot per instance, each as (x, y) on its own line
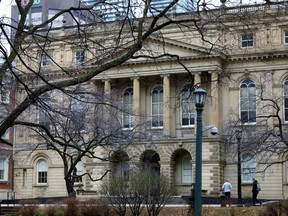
(157, 106)
(187, 106)
(248, 101)
(186, 170)
(2, 169)
(285, 96)
(248, 167)
(42, 168)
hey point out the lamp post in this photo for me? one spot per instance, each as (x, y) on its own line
(239, 137)
(199, 99)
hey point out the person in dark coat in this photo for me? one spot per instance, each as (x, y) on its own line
(255, 192)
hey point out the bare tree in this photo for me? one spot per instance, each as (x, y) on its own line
(268, 138)
(155, 192)
(31, 44)
(75, 127)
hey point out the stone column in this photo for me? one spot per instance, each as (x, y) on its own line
(197, 79)
(136, 101)
(107, 87)
(166, 106)
(214, 101)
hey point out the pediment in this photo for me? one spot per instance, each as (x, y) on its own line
(155, 49)
(180, 48)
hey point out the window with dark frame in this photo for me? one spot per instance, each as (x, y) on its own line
(46, 59)
(247, 40)
(286, 36)
(157, 106)
(79, 56)
(78, 172)
(5, 96)
(42, 169)
(187, 107)
(79, 109)
(43, 112)
(285, 98)
(248, 101)
(128, 108)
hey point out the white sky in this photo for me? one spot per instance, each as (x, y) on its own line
(5, 7)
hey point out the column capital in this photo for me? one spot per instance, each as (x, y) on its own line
(165, 75)
(135, 78)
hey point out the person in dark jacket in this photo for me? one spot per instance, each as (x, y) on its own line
(255, 192)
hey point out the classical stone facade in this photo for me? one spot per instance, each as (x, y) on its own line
(249, 54)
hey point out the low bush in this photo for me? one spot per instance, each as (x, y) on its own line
(72, 207)
(276, 208)
(29, 207)
(94, 207)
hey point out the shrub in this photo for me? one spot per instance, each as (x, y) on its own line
(29, 207)
(191, 200)
(72, 208)
(94, 207)
(277, 208)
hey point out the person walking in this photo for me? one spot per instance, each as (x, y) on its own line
(226, 187)
(255, 190)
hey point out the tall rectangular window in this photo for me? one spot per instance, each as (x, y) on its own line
(186, 170)
(128, 108)
(79, 110)
(79, 56)
(5, 96)
(42, 169)
(248, 101)
(286, 37)
(78, 172)
(3, 169)
(46, 59)
(248, 165)
(187, 107)
(157, 106)
(247, 40)
(285, 99)
(43, 111)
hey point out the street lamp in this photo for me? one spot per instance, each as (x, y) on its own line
(239, 137)
(199, 99)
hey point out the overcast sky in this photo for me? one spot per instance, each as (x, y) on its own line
(5, 8)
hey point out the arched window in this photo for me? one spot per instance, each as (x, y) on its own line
(79, 111)
(42, 170)
(78, 171)
(128, 108)
(248, 165)
(43, 111)
(186, 169)
(285, 98)
(248, 101)
(187, 107)
(157, 106)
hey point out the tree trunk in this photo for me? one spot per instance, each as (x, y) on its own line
(70, 188)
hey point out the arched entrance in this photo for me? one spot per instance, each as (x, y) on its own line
(120, 165)
(150, 161)
(182, 171)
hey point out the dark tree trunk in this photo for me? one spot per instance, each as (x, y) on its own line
(70, 188)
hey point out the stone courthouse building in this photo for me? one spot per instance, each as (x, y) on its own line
(239, 58)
